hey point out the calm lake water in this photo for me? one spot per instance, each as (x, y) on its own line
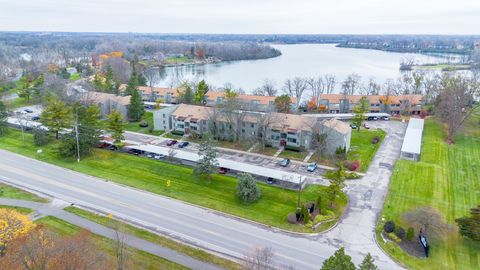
(296, 60)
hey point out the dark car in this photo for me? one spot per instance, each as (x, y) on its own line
(171, 142)
(183, 144)
(103, 145)
(223, 170)
(35, 118)
(28, 110)
(284, 162)
(372, 118)
(270, 181)
(135, 152)
(112, 147)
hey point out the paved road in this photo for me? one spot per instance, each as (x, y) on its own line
(214, 231)
(55, 209)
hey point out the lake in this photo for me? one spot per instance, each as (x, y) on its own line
(303, 60)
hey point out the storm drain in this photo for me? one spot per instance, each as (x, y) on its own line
(385, 165)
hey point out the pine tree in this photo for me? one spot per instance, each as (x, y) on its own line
(116, 126)
(186, 95)
(135, 109)
(56, 116)
(318, 204)
(368, 263)
(338, 261)
(208, 163)
(3, 119)
(337, 183)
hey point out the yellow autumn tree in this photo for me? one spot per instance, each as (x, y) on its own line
(12, 225)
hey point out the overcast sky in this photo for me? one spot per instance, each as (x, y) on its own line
(244, 16)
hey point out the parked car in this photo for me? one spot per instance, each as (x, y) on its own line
(35, 118)
(112, 147)
(284, 162)
(270, 181)
(150, 155)
(171, 142)
(103, 145)
(183, 144)
(223, 170)
(158, 156)
(143, 124)
(353, 126)
(312, 167)
(366, 126)
(135, 152)
(385, 118)
(27, 110)
(372, 118)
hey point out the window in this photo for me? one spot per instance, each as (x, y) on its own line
(164, 122)
(163, 115)
(252, 125)
(243, 130)
(292, 140)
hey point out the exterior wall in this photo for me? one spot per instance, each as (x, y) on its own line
(162, 119)
(409, 156)
(108, 106)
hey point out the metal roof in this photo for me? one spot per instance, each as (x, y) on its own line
(412, 142)
(226, 163)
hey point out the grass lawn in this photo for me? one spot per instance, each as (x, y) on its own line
(269, 151)
(361, 147)
(21, 210)
(243, 146)
(300, 156)
(135, 126)
(447, 177)
(177, 60)
(138, 259)
(154, 238)
(15, 193)
(153, 175)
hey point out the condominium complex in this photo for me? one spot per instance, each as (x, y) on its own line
(280, 129)
(338, 103)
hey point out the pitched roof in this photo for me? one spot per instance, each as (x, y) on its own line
(281, 121)
(335, 98)
(99, 97)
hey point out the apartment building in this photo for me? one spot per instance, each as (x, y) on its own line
(289, 130)
(338, 103)
(170, 95)
(108, 103)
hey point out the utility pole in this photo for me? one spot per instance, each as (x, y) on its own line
(76, 135)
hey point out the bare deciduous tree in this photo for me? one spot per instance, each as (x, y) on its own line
(260, 258)
(351, 84)
(455, 103)
(317, 88)
(295, 88)
(330, 82)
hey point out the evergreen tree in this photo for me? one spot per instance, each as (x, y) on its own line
(135, 109)
(116, 126)
(186, 95)
(109, 84)
(40, 137)
(202, 90)
(337, 183)
(339, 261)
(3, 119)
(469, 227)
(368, 263)
(56, 116)
(282, 103)
(359, 112)
(247, 189)
(208, 163)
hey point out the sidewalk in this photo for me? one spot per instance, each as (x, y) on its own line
(56, 210)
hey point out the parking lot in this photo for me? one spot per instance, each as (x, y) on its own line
(391, 127)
